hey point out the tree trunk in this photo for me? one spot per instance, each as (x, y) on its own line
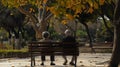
(41, 20)
(43, 27)
(105, 23)
(38, 29)
(115, 59)
(87, 30)
(91, 44)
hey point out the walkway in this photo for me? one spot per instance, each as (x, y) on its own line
(84, 60)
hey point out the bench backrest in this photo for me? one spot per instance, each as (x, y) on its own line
(56, 48)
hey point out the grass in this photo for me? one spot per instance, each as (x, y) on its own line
(11, 50)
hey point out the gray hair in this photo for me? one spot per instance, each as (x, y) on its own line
(68, 32)
(45, 34)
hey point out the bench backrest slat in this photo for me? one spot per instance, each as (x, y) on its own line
(56, 48)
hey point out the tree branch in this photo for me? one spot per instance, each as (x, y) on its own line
(34, 21)
(49, 16)
(44, 11)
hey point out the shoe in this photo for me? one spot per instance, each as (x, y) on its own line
(52, 63)
(65, 63)
(71, 63)
(42, 63)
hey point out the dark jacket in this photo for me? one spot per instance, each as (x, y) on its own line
(69, 39)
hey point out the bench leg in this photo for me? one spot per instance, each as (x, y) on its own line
(32, 61)
(75, 61)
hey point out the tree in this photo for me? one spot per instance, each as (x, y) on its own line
(39, 12)
(109, 5)
(46, 8)
(12, 21)
(82, 10)
(115, 59)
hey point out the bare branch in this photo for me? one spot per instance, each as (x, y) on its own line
(44, 11)
(49, 16)
(34, 21)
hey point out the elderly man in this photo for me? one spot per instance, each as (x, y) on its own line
(45, 36)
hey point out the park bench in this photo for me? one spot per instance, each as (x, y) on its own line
(102, 45)
(57, 48)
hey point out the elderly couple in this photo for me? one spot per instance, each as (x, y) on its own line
(68, 38)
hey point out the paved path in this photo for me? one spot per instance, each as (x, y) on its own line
(84, 60)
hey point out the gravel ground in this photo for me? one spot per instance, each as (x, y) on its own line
(84, 60)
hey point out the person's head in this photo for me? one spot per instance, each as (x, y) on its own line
(45, 34)
(68, 32)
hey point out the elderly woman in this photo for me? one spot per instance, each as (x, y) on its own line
(69, 38)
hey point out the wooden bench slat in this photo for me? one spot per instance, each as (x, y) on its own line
(54, 48)
(102, 47)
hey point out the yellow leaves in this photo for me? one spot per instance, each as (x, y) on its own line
(76, 15)
(47, 8)
(55, 12)
(69, 16)
(64, 22)
(52, 9)
(4, 2)
(23, 2)
(72, 3)
(68, 3)
(62, 3)
(45, 1)
(10, 3)
(38, 3)
(90, 3)
(90, 10)
(31, 10)
(95, 5)
(78, 11)
(101, 2)
(40, 6)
